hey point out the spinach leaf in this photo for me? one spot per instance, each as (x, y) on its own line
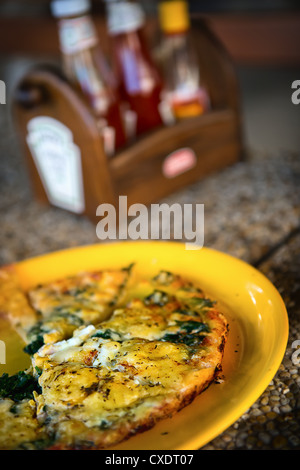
(34, 346)
(191, 326)
(128, 268)
(200, 303)
(188, 333)
(106, 334)
(18, 386)
(157, 297)
(188, 339)
(164, 277)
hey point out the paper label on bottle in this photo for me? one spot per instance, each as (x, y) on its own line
(179, 162)
(58, 162)
(77, 34)
(124, 17)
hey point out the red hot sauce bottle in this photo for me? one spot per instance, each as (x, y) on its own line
(87, 70)
(139, 79)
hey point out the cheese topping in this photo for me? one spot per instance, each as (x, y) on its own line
(109, 380)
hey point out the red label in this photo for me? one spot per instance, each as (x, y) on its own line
(179, 162)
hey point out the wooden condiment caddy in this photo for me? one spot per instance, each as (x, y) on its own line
(149, 169)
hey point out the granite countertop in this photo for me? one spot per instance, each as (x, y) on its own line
(251, 211)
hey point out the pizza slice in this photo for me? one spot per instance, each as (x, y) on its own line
(114, 379)
(66, 304)
(20, 428)
(51, 312)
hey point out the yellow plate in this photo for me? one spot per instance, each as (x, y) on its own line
(257, 338)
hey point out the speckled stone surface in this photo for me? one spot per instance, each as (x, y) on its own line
(251, 209)
(273, 421)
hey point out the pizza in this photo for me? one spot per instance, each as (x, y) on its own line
(66, 304)
(126, 355)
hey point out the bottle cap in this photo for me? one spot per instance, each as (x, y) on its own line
(124, 16)
(61, 8)
(174, 16)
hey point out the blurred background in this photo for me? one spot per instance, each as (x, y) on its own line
(262, 37)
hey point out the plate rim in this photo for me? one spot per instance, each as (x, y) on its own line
(196, 442)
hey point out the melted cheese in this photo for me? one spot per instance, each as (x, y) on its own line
(121, 376)
(66, 304)
(114, 378)
(123, 366)
(19, 426)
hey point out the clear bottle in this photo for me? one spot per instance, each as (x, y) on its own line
(183, 90)
(139, 79)
(87, 70)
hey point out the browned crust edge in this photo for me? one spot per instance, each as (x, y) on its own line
(166, 410)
